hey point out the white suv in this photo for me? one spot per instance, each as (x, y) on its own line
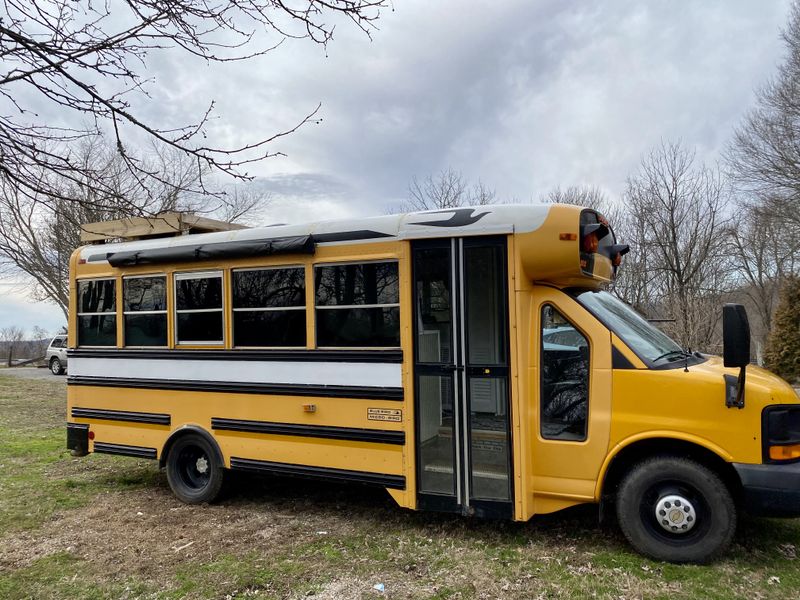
(57, 355)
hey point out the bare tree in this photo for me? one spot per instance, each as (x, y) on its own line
(12, 337)
(89, 61)
(764, 156)
(39, 341)
(446, 189)
(589, 196)
(764, 252)
(37, 237)
(678, 209)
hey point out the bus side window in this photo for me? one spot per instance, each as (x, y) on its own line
(564, 381)
(269, 307)
(144, 310)
(97, 316)
(198, 308)
(357, 305)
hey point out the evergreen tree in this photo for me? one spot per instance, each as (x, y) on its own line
(782, 354)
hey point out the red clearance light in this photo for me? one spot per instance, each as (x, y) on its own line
(91, 435)
(81, 261)
(567, 237)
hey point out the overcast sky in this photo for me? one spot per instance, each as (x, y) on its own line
(523, 95)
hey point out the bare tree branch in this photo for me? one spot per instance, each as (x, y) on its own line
(38, 235)
(678, 213)
(764, 156)
(89, 59)
(446, 189)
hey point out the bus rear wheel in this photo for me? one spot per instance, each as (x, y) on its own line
(193, 470)
(676, 510)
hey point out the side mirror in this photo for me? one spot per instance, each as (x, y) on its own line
(735, 336)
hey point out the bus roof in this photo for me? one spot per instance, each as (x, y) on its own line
(274, 239)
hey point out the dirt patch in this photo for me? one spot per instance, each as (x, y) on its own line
(150, 534)
(318, 541)
(112, 529)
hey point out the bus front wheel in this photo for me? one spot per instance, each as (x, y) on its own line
(193, 470)
(676, 510)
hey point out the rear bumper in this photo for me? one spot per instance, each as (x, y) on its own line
(770, 490)
(78, 439)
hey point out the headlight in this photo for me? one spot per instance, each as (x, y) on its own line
(781, 433)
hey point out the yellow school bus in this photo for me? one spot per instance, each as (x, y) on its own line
(467, 360)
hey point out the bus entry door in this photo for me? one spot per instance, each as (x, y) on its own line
(461, 376)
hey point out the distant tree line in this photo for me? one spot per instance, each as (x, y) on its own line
(17, 344)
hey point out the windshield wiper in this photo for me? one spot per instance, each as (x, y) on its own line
(677, 353)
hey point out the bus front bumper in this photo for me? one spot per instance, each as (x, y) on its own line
(770, 490)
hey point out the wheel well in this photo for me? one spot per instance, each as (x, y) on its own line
(624, 461)
(184, 431)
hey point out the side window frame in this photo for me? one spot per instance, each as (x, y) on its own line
(164, 312)
(234, 309)
(390, 305)
(210, 274)
(559, 437)
(111, 313)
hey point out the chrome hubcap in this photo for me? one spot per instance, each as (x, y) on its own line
(201, 465)
(675, 514)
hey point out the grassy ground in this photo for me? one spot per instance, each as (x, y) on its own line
(108, 527)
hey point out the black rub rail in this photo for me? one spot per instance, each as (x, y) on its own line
(354, 434)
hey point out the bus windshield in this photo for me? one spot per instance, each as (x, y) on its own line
(648, 342)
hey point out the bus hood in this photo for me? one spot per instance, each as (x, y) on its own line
(761, 385)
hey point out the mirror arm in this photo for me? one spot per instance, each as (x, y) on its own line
(740, 388)
(735, 400)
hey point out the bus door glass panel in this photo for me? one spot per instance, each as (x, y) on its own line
(564, 378)
(434, 349)
(461, 375)
(487, 369)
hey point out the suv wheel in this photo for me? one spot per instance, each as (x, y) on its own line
(56, 367)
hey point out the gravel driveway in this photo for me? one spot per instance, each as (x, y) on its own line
(32, 373)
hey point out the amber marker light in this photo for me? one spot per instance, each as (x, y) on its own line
(567, 237)
(784, 452)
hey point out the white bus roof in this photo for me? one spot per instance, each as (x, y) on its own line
(453, 222)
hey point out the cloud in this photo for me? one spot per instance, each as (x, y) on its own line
(18, 310)
(522, 95)
(299, 197)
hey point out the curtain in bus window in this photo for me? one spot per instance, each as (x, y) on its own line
(97, 319)
(357, 305)
(269, 307)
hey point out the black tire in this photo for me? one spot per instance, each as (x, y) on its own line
(56, 368)
(709, 519)
(194, 472)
